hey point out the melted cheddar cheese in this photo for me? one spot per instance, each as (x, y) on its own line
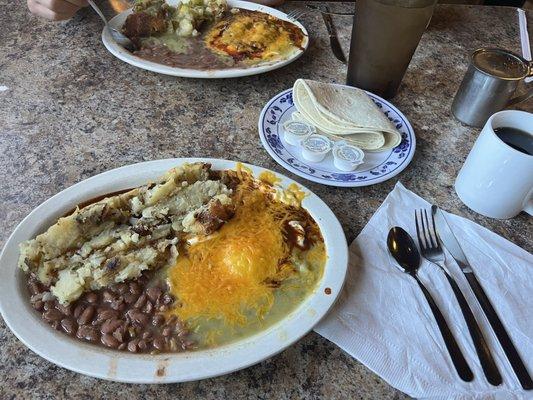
(252, 35)
(233, 276)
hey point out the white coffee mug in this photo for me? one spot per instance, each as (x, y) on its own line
(496, 180)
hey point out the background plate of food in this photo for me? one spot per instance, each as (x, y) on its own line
(343, 114)
(207, 38)
(171, 270)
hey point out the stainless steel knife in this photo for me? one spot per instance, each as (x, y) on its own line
(341, 13)
(452, 245)
(332, 32)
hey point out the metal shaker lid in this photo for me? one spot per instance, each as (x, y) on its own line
(500, 63)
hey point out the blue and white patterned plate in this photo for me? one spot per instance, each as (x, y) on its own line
(378, 167)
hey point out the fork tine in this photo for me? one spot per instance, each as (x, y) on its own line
(430, 230)
(435, 231)
(425, 226)
(299, 15)
(425, 234)
(421, 243)
(296, 14)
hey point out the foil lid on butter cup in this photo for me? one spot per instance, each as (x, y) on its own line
(296, 131)
(315, 147)
(347, 157)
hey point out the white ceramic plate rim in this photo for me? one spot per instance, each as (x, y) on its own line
(124, 55)
(166, 368)
(323, 181)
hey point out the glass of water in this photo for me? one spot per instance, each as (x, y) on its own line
(385, 35)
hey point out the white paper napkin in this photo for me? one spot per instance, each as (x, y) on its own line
(383, 320)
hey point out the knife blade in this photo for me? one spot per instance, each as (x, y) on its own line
(451, 243)
(333, 39)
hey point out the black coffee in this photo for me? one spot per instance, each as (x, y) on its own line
(516, 138)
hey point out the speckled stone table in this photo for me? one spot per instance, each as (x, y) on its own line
(69, 110)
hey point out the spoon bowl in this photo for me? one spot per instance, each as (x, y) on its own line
(402, 247)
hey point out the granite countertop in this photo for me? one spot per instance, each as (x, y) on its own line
(70, 110)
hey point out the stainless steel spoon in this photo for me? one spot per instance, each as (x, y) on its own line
(118, 36)
(403, 249)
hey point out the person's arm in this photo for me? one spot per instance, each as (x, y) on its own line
(55, 10)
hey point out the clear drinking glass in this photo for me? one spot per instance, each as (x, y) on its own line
(385, 35)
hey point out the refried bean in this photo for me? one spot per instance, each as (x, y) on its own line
(126, 316)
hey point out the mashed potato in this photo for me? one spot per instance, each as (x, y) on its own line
(115, 239)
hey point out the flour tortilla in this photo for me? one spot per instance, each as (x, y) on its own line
(344, 113)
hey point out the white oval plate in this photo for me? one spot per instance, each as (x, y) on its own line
(99, 362)
(377, 167)
(124, 55)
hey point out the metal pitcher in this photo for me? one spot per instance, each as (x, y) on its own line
(489, 84)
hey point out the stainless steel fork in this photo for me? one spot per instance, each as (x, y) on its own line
(295, 14)
(432, 251)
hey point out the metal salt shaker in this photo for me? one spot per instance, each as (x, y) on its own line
(491, 79)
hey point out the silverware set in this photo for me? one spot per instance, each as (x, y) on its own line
(434, 236)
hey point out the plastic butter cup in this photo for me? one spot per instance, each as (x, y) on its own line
(296, 131)
(315, 147)
(347, 157)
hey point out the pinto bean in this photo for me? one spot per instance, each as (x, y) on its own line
(153, 293)
(86, 316)
(187, 344)
(78, 310)
(110, 325)
(36, 297)
(142, 345)
(167, 299)
(88, 332)
(68, 325)
(53, 315)
(104, 315)
(158, 320)
(138, 317)
(38, 305)
(109, 341)
(173, 344)
(91, 298)
(147, 335)
(159, 343)
(148, 308)
(134, 288)
(140, 301)
(130, 298)
(132, 345)
(119, 335)
(67, 310)
(33, 288)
